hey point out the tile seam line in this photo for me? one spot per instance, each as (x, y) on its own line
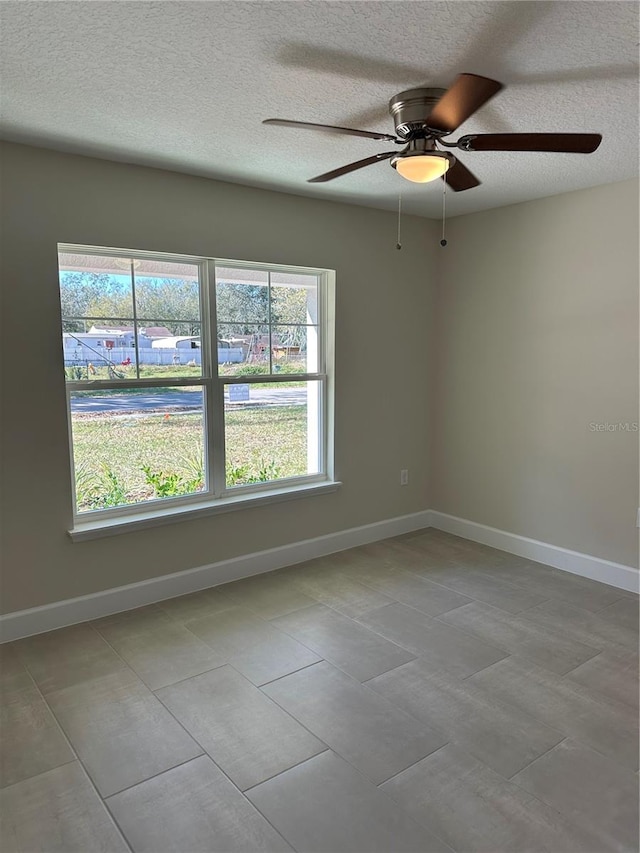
(156, 690)
(484, 692)
(479, 571)
(245, 791)
(159, 700)
(556, 600)
(291, 612)
(612, 603)
(171, 684)
(578, 579)
(523, 587)
(84, 680)
(227, 777)
(274, 680)
(179, 620)
(266, 621)
(416, 576)
(573, 669)
(473, 636)
(488, 666)
(420, 722)
(356, 623)
(237, 596)
(391, 669)
(567, 817)
(397, 802)
(204, 754)
(566, 631)
(435, 619)
(335, 609)
(623, 767)
(424, 758)
(117, 793)
(393, 600)
(596, 695)
(376, 785)
(340, 667)
(266, 696)
(42, 772)
(136, 674)
(356, 683)
(533, 761)
(402, 666)
(80, 762)
(472, 597)
(298, 722)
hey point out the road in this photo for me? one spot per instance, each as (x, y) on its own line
(181, 399)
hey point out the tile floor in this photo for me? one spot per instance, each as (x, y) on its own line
(424, 693)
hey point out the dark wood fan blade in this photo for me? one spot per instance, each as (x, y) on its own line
(467, 95)
(573, 143)
(329, 128)
(459, 178)
(351, 167)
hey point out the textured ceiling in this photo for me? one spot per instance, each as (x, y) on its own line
(185, 85)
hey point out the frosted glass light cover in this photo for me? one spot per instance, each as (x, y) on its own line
(422, 168)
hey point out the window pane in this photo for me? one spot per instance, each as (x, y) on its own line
(168, 317)
(101, 327)
(294, 349)
(104, 350)
(243, 349)
(294, 298)
(132, 446)
(242, 297)
(272, 431)
(167, 289)
(94, 286)
(169, 355)
(96, 298)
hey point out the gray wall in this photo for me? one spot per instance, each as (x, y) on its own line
(381, 402)
(537, 337)
(537, 319)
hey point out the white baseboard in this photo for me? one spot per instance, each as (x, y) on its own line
(37, 620)
(614, 574)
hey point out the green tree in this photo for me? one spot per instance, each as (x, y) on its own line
(171, 302)
(175, 303)
(241, 308)
(168, 302)
(78, 290)
(288, 305)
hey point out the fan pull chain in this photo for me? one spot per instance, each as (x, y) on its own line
(399, 244)
(443, 242)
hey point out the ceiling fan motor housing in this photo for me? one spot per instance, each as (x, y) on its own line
(410, 111)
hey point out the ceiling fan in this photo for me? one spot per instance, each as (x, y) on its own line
(423, 117)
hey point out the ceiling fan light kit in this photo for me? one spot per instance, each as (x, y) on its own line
(420, 164)
(422, 117)
(421, 168)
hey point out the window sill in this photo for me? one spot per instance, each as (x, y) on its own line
(99, 528)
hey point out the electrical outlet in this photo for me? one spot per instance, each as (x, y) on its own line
(404, 477)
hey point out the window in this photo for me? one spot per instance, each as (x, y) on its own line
(193, 382)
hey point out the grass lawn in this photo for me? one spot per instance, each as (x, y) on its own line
(110, 451)
(99, 371)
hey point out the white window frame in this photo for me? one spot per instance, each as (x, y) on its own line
(217, 496)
